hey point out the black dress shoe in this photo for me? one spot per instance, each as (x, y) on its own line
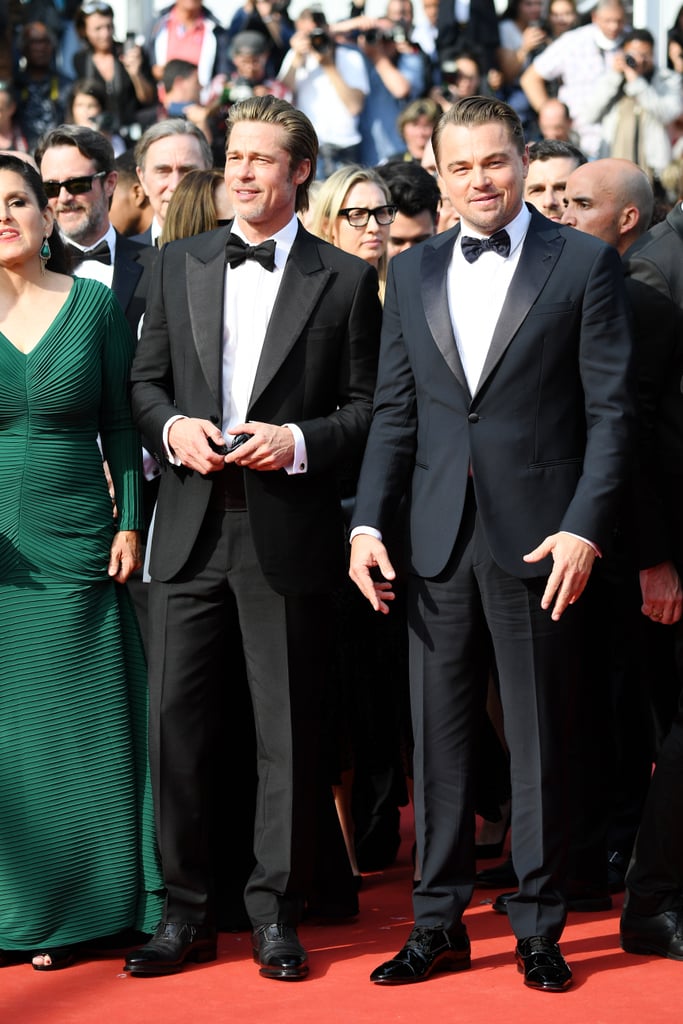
(586, 901)
(543, 966)
(279, 953)
(172, 945)
(427, 951)
(655, 935)
(503, 876)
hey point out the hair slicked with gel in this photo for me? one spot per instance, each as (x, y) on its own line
(299, 139)
(473, 111)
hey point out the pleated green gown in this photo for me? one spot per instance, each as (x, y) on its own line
(77, 850)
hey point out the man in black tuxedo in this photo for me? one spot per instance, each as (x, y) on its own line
(652, 919)
(247, 545)
(503, 409)
(76, 158)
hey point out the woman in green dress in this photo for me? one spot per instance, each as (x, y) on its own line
(77, 851)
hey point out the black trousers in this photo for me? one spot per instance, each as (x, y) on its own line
(451, 619)
(221, 600)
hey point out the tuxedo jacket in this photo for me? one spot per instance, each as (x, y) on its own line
(133, 266)
(317, 369)
(548, 430)
(654, 268)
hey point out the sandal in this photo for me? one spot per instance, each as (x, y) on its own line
(61, 956)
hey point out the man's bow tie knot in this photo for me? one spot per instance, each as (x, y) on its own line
(100, 252)
(472, 248)
(237, 251)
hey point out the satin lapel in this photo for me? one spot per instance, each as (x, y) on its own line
(541, 251)
(434, 272)
(303, 280)
(205, 282)
(127, 273)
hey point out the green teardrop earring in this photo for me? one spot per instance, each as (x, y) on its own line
(44, 254)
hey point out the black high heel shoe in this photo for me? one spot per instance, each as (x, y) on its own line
(487, 851)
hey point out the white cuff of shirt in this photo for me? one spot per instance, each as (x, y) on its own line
(585, 540)
(173, 459)
(300, 460)
(370, 531)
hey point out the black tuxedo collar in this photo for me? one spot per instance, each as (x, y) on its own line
(540, 251)
(303, 281)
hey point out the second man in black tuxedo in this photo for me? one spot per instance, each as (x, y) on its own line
(503, 409)
(261, 330)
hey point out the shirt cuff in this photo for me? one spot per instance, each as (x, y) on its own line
(300, 460)
(173, 459)
(369, 531)
(585, 540)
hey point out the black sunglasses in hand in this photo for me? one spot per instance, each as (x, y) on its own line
(74, 186)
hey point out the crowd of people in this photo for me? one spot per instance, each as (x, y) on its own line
(284, 303)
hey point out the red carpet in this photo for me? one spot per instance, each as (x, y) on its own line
(610, 986)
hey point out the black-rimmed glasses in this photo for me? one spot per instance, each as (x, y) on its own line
(358, 216)
(74, 186)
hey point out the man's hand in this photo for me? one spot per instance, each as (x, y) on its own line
(572, 563)
(125, 555)
(187, 439)
(660, 587)
(270, 447)
(367, 553)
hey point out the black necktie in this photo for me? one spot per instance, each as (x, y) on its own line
(237, 251)
(472, 248)
(100, 253)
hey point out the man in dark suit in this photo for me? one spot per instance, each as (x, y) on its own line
(71, 156)
(503, 409)
(652, 919)
(248, 544)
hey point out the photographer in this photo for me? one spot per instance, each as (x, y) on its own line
(399, 72)
(634, 102)
(271, 20)
(181, 95)
(249, 53)
(461, 75)
(330, 85)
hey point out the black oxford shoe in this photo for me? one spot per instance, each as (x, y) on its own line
(427, 951)
(279, 953)
(543, 966)
(655, 935)
(173, 944)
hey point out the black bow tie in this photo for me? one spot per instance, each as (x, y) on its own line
(472, 248)
(237, 251)
(100, 253)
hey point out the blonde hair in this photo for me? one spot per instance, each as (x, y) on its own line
(332, 198)
(192, 208)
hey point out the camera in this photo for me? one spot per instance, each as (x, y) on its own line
(631, 61)
(321, 40)
(236, 91)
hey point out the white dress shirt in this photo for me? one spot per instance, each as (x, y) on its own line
(93, 269)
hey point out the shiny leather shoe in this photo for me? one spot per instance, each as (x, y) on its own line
(427, 951)
(279, 953)
(585, 901)
(543, 966)
(655, 935)
(173, 944)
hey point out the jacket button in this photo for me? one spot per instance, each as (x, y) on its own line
(473, 417)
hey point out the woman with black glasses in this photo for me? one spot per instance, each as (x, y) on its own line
(353, 210)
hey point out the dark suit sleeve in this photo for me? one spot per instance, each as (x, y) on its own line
(606, 368)
(341, 434)
(152, 372)
(390, 451)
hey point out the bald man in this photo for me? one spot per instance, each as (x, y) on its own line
(612, 199)
(609, 199)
